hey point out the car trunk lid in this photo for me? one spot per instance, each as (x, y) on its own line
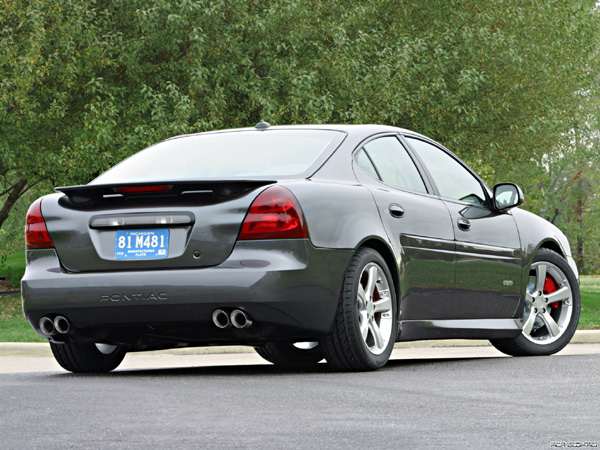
(157, 225)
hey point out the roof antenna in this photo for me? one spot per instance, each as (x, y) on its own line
(262, 125)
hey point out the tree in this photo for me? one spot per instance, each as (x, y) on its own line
(564, 184)
(86, 83)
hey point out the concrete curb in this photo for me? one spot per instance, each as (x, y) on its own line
(43, 350)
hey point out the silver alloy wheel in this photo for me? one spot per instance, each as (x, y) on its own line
(547, 314)
(374, 308)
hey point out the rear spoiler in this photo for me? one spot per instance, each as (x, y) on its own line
(221, 188)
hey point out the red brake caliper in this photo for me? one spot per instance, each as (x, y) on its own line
(376, 297)
(549, 288)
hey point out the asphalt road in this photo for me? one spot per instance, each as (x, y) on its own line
(425, 398)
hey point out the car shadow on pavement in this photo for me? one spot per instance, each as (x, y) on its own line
(266, 369)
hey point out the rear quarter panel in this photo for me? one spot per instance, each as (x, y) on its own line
(338, 215)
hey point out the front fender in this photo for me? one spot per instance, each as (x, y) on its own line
(536, 232)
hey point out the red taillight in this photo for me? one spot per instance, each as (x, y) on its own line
(36, 233)
(143, 189)
(274, 214)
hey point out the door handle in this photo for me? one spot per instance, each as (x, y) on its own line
(396, 210)
(463, 224)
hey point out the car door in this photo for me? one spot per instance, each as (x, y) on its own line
(417, 223)
(488, 249)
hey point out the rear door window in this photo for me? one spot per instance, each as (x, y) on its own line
(392, 164)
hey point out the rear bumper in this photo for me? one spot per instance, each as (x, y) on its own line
(289, 288)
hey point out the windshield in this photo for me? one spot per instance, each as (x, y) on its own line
(227, 155)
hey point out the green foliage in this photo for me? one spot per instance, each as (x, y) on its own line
(590, 303)
(563, 185)
(85, 83)
(13, 325)
(13, 267)
(17, 329)
(12, 234)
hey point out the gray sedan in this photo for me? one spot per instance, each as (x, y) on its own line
(306, 242)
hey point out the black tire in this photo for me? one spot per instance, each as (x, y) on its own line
(352, 344)
(87, 358)
(287, 355)
(548, 325)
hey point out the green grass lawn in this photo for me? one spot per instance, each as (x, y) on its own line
(13, 268)
(590, 302)
(13, 325)
(15, 328)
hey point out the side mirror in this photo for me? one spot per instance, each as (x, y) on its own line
(506, 196)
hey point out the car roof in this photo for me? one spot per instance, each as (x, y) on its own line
(363, 130)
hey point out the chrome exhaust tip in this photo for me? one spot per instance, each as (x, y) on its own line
(61, 324)
(47, 326)
(240, 319)
(220, 318)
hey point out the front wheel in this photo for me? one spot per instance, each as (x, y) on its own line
(552, 308)
(365, 325)
(88, 358)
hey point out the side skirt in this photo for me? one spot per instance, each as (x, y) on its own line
(415, 330)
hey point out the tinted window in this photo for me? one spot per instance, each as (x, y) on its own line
(450, 176)
(271, 153)
(394, 164)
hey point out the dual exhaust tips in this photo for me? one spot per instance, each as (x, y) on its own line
(238, 318)
(60, 325)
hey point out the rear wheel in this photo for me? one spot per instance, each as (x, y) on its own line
(552, 308)
(365, 326)
(88, 358)
(291, 355)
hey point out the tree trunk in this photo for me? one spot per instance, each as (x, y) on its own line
(14, 193)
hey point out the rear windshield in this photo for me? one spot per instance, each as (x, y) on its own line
(228, 155)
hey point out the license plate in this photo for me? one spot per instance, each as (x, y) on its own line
(142, 244)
